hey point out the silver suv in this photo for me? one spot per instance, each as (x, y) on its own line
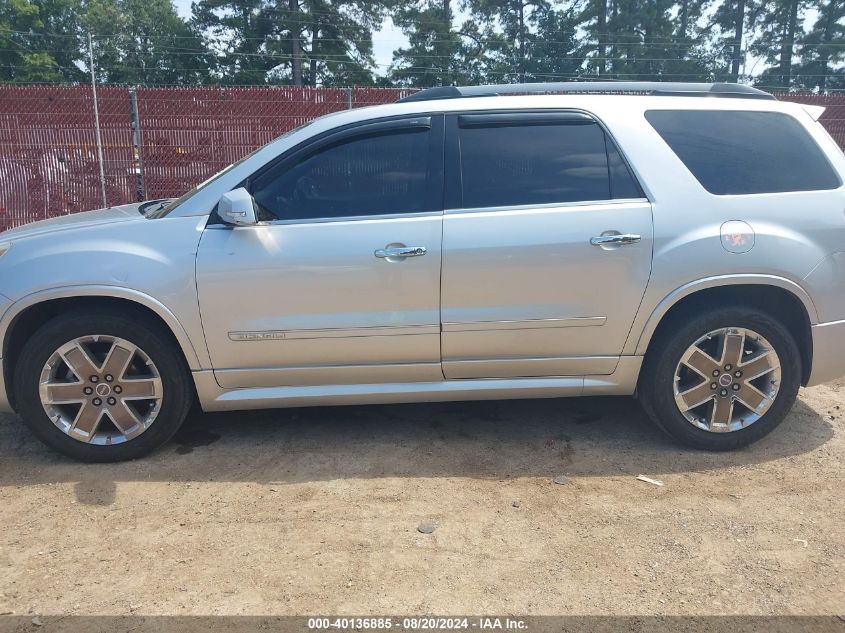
(685, 244)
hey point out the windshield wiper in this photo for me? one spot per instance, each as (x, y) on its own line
(145, 208)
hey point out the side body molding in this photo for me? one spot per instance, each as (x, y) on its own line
(646, 323)
(190, 352)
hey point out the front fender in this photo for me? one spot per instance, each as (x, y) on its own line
(149, 262)
(185, 343)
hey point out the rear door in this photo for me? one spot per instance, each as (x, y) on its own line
(547, 246)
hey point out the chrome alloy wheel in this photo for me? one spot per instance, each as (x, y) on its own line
(101, 390)
(727, 380)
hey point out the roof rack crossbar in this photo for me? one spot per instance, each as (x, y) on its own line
(656, 88)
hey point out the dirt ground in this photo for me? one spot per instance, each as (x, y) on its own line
(316, 511)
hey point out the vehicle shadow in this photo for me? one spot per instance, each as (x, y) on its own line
(491, 439)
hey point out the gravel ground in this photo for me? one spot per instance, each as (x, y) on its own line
(529, 507)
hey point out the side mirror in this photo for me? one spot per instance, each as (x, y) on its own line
(237, 207)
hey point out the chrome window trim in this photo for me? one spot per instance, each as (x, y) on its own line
(548, 205)
(348, 218)
(598, 120)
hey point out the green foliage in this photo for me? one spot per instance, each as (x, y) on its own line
(728, 28)
(29, 50)
(339, 46)
(778, 24)
(558, 54)
(324, 42)
(438, 52)
(822, 50)
(652, 40)
(513, 25)
(245, 36)
(144, 42)
(779, 43)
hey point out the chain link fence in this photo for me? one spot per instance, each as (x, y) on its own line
(157, 142)
(160, 142)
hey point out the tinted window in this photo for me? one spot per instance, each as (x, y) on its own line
(745, 152)
(370, 175)
(537, 164)
(622, 183)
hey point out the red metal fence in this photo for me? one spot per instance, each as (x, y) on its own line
(48, 152)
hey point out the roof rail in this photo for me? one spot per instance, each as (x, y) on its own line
(657, 88)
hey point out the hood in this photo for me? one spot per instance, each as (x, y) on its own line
(122, 213)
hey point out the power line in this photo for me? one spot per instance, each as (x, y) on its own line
(619, 41)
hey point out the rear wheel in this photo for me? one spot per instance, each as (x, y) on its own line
(722, 379)
(102, 387)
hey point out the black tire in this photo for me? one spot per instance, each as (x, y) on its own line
(149, 336)
(656, 384)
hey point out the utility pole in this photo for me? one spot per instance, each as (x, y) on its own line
(446, 77)
(137, 161)
(601, 26)
(521, 42)
(737, 47)
(296, 50)
(97, 119)
(786, 50)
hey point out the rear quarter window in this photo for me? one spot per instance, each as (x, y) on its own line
(745, 152)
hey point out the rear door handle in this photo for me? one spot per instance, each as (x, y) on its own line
(400, 251)
(627, 238)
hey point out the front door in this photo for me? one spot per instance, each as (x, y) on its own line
(547, 245)
(340, 282)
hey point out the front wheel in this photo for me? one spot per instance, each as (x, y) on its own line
(721, 380)
(102, 387)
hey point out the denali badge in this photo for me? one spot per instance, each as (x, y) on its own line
(257, 336)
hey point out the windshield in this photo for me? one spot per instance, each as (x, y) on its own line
(166, 206)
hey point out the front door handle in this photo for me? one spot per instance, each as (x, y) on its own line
(390, 252)
(620, 240)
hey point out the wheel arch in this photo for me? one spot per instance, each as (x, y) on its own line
(781, 297)
(25, 316)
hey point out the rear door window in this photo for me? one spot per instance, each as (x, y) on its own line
(745, 152)
(539, 159)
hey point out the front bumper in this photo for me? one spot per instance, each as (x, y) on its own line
(828, 352)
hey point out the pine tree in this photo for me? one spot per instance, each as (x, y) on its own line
(512, 30)
(246, 36)
(822, 50)
(314, 42)
(40, 41)
(338, 41)
(689, 58)
(778, 25)
(439, 52)
(557, 53)
(730, 33)
(593, 19)
(144, 42)
(655, 40)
